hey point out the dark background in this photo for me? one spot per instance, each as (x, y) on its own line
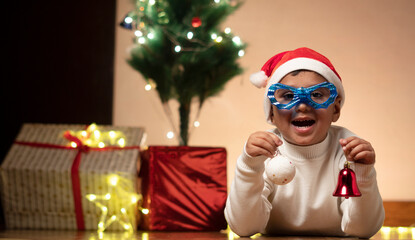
(57, 64)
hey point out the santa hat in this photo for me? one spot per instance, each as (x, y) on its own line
(283, 63)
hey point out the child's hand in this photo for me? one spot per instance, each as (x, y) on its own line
(262, 143)
(358, 150)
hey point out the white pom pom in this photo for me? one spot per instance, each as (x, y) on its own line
(280, 170)
(259, 79)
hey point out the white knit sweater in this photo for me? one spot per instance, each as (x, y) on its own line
(304, 206)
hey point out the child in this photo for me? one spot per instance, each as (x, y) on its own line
(302, 113)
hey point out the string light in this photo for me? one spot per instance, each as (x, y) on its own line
(84, 134)
(142, 22)
(112, 134)
(122, 199)
(236, 40)
(196, 123)
(97, 134)
(147, 87)
(241, 53)
(144, 236)
(128, 20)
(121, 142)
(93, 137)
(113, 180)
(141, 40)
(170, 135)
(138, 33)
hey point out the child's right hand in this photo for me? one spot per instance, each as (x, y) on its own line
(262, 143)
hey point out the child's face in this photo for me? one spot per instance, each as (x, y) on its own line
(302, 124)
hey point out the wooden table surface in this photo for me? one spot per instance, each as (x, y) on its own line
(386, 233)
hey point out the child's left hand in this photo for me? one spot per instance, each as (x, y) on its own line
(358, 150)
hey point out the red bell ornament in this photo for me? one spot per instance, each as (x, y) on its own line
(347, 185)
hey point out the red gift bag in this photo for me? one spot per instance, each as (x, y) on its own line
(184, 188)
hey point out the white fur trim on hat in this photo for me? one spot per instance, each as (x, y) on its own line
(298, 64)
(259, 79)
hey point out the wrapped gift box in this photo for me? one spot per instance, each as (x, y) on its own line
(45, 178)
(184, 188)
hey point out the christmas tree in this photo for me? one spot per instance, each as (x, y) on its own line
(180, 49)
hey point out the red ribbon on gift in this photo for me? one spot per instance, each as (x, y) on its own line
(76, 183)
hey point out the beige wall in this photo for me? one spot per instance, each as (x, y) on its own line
(371, 43)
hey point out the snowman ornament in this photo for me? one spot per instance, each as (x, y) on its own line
(280, 170)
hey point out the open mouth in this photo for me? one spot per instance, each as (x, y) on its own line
(303, 123)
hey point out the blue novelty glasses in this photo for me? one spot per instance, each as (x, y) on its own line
(317, 96)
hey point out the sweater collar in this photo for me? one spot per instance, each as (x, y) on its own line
(306, 153)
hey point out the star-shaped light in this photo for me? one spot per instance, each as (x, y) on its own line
(121, 198)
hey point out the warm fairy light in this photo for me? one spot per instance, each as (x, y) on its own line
(217, 1)
(101, 145)
(113, 180)
(236, 40)
(116, 204)
(214, 36)
(141, 40)
(147, 87)
(219, 39)
(74, 145)
(150, 36)
(189, 35)
(145, 211)
(112, 134)
(84, 134)
(100, 225)
(138, 33)
(144, 236)
(97, 134)
(170, 135)
(121, 142)
(128, 20)
(134, 199)
(196, 123)
(177, 48)
(241, 53)
(92, 127)
(152, 2)
(227, 30)
(91, 197)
